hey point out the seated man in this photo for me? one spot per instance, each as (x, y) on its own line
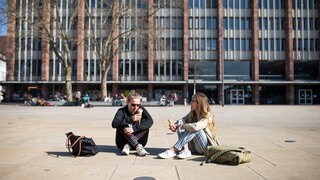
(86, 101)
(132, 123)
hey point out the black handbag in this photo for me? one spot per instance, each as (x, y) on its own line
(80, 145)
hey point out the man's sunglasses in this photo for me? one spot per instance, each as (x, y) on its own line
(138, 105)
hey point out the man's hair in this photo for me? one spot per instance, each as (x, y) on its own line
(133, 95)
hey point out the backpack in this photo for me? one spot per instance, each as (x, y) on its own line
(80, 145)
(228, 155)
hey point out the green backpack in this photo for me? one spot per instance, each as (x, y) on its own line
(229, 155)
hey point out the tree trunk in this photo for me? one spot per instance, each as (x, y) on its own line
(104, 84)
(68, 84)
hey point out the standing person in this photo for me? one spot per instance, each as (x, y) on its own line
(78, 97)
(195, 131)
(132, 123)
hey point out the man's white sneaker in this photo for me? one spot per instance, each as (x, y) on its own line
(184, 154)
(141, 151)
(167, 154)
(126, 149)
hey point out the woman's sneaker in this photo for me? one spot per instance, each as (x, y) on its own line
(141, 151)
(184, 154)
(167, 154)
(125, 149)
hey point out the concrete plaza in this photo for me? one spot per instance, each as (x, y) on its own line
(284, 141)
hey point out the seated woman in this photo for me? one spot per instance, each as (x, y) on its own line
(195, 131)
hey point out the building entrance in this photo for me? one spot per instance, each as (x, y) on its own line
(236, 96)
(305, 96)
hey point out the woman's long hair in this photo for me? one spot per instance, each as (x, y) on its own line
(203, 111)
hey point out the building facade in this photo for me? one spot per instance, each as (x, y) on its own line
(235, 51)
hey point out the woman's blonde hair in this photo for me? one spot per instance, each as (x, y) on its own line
(133, 95)
(203, 110)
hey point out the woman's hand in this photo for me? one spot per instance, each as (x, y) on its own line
(128, 130)
(174, 127)
(136, 118)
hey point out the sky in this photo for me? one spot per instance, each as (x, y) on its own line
(3, 20)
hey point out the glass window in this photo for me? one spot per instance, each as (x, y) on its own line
(230, 23)
(265, 23)
(225, 3)
(237, 5)
(190, 3)
(225, 23)
(239, 70)
(237, 23)
(237, 44)
(306, 70)
(231, 4)
(260, 23)
(225, 44)
(202, 23)
(231, 44)
(272, 69)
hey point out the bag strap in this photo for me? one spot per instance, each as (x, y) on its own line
(69, 145)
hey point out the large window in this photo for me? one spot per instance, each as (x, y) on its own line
(308, 70)
(239, 70)
(274, 70)
(202, 70)
(168, 69)
(130, 69)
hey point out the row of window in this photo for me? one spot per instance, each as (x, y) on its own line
(169, 22)
(237, 23)
(204, 69)
(272, 23)
(237, 4)
(237, 44)
(306, 45)
(272, 44)
(305, 4)
(202, 23)
(271, 4)
(306, 23)
(209, 44)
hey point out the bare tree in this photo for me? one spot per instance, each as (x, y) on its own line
(109, 41)
(113, 40)
(54, 27)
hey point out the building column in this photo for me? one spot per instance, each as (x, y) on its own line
(8, 92)
(220, 59)
(151, 36)
(115, 89)
(186, 53)
(81, 40)
(256, 94)
(44, 91)
(289, 64)
(255, 41)
(11, 41)
(255, 53)
(290, 94)
(115, 44)
(150, 92)
(44, 44)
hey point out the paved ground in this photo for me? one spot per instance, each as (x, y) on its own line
(32, 144)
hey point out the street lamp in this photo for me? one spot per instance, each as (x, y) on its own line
(222, 63)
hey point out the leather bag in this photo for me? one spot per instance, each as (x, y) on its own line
(80, 145)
